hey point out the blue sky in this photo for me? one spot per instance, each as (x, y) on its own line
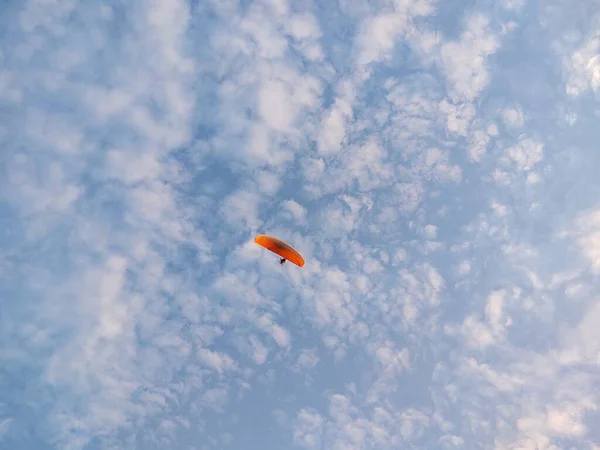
(435, 162)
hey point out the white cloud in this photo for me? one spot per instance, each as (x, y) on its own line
(273, 100)
(242, 206)
(430, 231)
(146, 144)
(268, 182)
(589, 237)
(304, 26)
(308, 359)
(465, 61)
(307, 430)
(513, 117)
(281, 335)
(513, 4)
(464, 268)
(133, 168)
(333, 128)
(391, 359)
(217, 361)
(458, 117)
(583, 66)
(381, 31)
(297, 210)
(215, 399)
(526, 154)
(306, 31)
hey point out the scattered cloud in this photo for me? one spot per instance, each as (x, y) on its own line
(435, 163)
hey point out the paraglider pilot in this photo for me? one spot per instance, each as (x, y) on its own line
(285, 251)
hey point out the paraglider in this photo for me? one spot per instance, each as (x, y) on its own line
(281, 248)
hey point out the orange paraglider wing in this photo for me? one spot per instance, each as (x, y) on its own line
(281, 248)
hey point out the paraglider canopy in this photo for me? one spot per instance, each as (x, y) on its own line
(281, 248)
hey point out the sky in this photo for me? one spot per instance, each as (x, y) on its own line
(436, 163)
